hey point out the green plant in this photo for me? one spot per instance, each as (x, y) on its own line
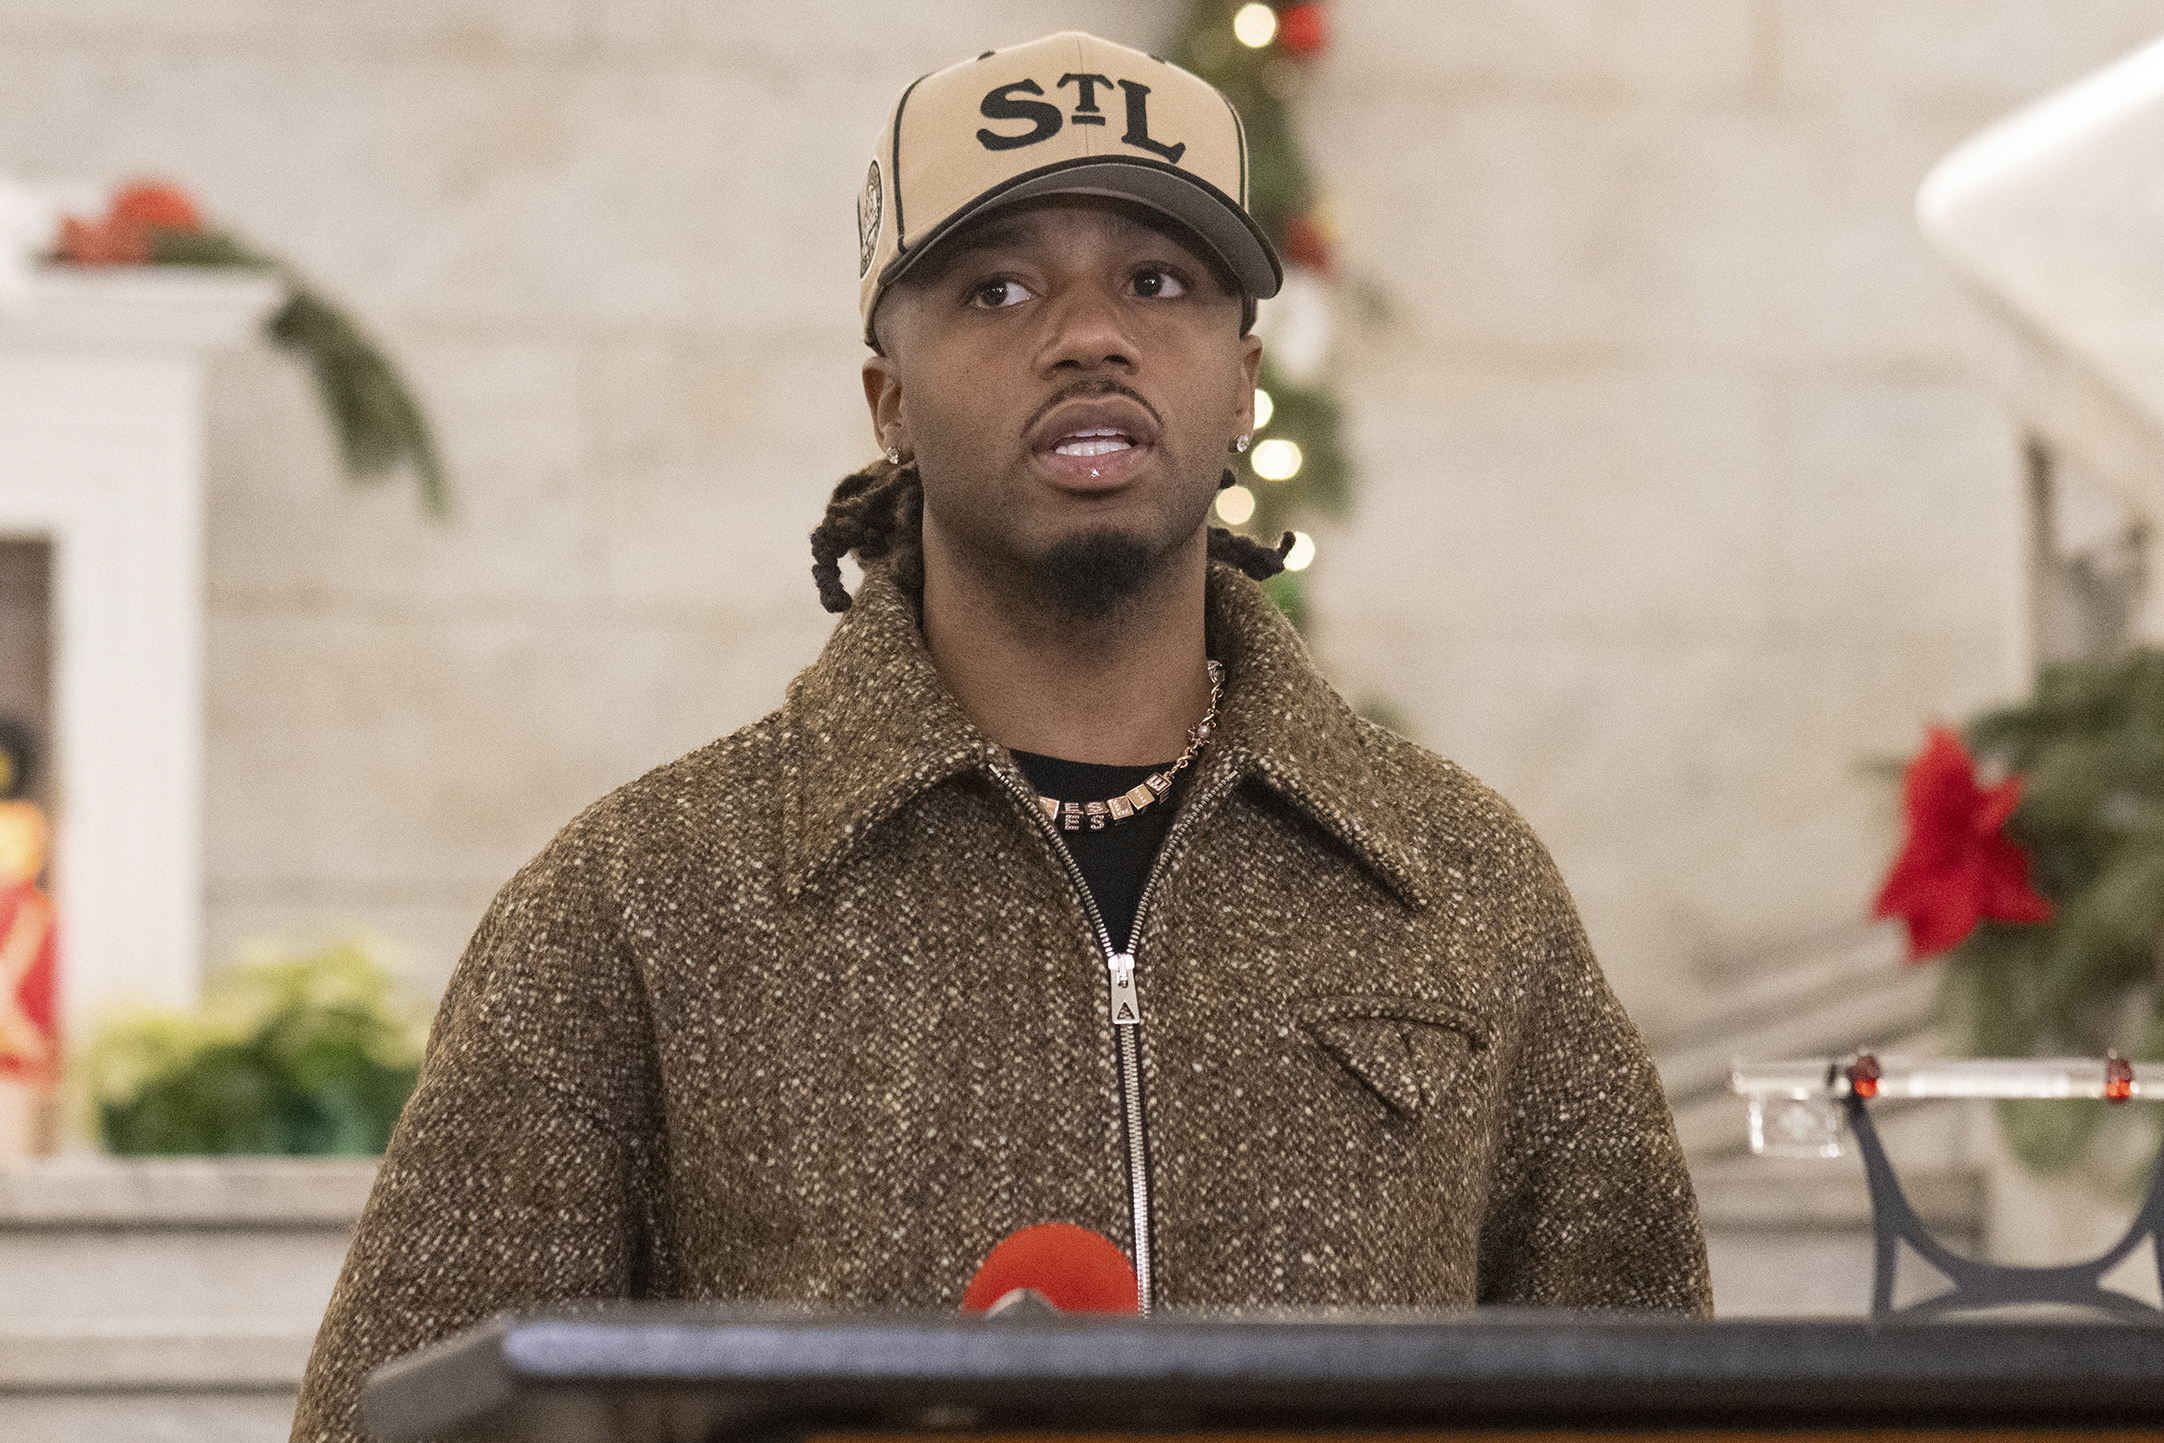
(2089, 747)
(312, 1055)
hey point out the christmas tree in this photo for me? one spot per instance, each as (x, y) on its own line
(1259, 55)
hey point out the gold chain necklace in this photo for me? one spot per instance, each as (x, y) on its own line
(1070, 816)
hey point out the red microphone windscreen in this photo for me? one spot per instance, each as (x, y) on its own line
(1078, 1271)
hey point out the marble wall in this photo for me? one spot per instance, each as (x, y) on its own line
(1713, 512)
(1678, 500)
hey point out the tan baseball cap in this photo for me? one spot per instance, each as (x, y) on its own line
(1066, 115)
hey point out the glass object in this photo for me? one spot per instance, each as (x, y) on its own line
(1796, 1105)
(1793, 1125)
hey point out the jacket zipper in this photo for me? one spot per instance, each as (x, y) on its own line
(1126, 1027)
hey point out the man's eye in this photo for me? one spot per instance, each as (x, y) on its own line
(993, 295)
(1152, 282)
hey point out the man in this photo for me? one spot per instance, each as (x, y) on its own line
(1061, 888)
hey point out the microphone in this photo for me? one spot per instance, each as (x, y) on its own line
(1072, 1269)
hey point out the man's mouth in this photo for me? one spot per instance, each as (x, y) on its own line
(1095, 432)
(1101, 441)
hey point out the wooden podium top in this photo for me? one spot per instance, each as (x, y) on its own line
(649, 1372)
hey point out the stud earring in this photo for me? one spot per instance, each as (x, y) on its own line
(894, 455)
(1240, 444)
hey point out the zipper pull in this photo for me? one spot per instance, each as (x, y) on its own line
(1126, 1007)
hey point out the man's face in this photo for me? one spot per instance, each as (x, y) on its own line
(1068, 377)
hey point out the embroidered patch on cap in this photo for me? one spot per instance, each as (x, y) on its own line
(870, 205)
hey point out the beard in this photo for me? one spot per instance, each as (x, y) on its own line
(1092, 577)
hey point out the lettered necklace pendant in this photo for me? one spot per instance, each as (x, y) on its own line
(1096, 816)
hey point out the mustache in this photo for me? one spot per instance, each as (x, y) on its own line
(1082, 390)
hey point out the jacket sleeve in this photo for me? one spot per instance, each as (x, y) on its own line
(1591, 1203)
(523, 1167)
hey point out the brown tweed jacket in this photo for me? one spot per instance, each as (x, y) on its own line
(813, 1013)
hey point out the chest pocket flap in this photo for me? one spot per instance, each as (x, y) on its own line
(1409, 1051)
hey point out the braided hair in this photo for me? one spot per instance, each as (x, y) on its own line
(878, 513)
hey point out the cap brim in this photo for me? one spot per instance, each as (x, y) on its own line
(1199, 207)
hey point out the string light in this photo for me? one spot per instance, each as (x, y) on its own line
(1302, 553)
(1265, 408)
(1255, 26)
(1277, 460)
(1234, 505)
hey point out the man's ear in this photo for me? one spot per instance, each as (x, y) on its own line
(1251, 374)
(883, 394)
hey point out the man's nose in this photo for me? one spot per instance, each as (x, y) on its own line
(1088, 328)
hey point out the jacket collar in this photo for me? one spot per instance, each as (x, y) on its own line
(866, 727)
(871, 724)
(1287, 727)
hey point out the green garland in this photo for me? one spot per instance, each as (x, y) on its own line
(2089, 747)
(380, 426)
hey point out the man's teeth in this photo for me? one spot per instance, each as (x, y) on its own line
(1097, 443)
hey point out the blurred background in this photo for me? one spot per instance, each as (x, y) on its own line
(1681, 493)
(1678, 492)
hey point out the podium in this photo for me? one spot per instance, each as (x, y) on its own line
(679, 1373)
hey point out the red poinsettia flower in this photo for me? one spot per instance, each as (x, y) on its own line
(1303, 29)
(1957, 866)
(156, 204)
(1305, 244)
(102, 243)
(123, 236)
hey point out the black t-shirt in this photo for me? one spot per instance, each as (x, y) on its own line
(1115, 862)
